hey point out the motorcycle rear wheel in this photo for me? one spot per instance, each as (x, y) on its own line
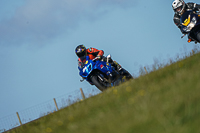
(127, 74)
(95, 81)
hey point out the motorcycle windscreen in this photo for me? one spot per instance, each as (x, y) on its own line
(81, 62)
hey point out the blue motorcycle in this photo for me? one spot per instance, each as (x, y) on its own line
(190, 21)
(101, 73)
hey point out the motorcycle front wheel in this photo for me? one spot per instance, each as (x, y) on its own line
(198, 37)
(96, 82)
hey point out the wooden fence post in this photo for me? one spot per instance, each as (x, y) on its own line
(193, 52)
(19, 118)
(145, 70)
(83, 96)
(55, 104)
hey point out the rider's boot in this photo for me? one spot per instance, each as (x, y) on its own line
(118, 67)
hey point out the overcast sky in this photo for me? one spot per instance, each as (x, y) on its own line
(38, 39)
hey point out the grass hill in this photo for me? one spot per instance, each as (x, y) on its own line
(164, 101)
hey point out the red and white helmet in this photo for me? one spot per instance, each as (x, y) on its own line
(178, 6)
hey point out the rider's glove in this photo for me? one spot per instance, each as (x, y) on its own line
(97, 58)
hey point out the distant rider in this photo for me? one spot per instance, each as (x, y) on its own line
(94, 54)
(179, 7)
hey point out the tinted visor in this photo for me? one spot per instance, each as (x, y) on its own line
(81, 54)
(179, 9)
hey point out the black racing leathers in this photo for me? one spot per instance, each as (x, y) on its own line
(189, 6)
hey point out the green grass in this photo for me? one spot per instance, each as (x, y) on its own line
(163, 101)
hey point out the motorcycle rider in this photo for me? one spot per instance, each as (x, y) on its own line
(179, 7)
(94, 54)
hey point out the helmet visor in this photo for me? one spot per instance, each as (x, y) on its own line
(179, 9)
(81, 54)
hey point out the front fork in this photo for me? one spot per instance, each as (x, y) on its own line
(109, 82)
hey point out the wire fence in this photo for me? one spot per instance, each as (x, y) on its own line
(38, 111)
(43, 109)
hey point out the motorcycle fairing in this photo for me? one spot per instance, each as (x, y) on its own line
(90, 66)
(186, 21)
(189, 21)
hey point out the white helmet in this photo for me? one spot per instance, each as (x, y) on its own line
(178, 6)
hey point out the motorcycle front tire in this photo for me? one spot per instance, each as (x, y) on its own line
(95, 81)
(198, 37)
